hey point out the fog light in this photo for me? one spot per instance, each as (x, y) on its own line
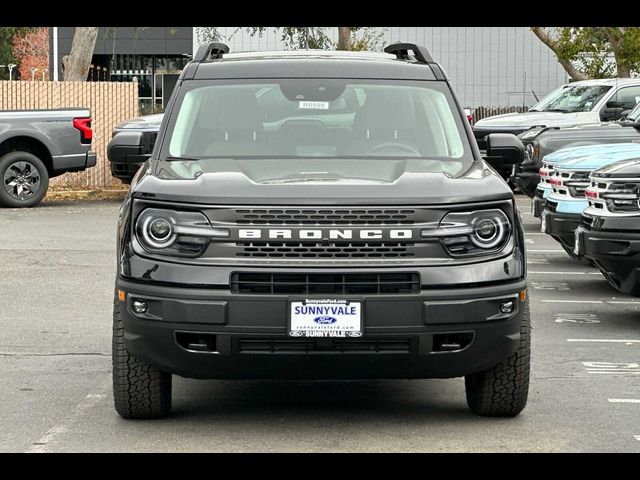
(141, 307)
(507, 307)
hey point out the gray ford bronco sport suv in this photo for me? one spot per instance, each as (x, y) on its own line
(319, 215)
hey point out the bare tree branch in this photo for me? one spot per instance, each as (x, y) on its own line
(573, 72)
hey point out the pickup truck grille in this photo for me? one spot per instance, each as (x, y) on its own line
(571, 184)
(614, 196)
(318, 250)
(325, 283)
(325, 216)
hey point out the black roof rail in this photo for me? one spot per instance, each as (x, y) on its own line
(211, 51)
(401, 51)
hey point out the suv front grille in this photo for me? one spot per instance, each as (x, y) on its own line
(325, 216)
(331, 250)
(324, 346)
(325, 283)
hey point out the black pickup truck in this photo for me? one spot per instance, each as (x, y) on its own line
(36, 145)
(319, 215)
(541, 141)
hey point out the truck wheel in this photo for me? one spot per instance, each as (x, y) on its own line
(139, 390)
(502, 390)
(25, 180)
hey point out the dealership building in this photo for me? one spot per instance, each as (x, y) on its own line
(488, 66)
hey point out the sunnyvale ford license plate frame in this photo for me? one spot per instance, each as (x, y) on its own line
(325, 317)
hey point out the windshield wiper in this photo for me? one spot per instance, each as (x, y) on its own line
(179, 159)
(561, 110)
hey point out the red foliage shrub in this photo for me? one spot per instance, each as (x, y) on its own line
(31, 49)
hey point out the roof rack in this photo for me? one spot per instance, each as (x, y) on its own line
(212, 51)
(401, 51)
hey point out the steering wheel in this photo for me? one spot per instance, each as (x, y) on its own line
(395, 147)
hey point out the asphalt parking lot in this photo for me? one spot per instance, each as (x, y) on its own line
(57, 267)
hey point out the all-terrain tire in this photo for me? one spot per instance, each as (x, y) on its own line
(139, 390)
(502, 391)
(33, 167)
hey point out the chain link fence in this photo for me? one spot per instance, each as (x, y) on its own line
(483, 112)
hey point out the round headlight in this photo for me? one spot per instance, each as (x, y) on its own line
(160, 229)
(529, 151)
(489, 231)
(158, 232)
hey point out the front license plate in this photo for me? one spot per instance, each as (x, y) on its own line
(325, 317)
(577, 248)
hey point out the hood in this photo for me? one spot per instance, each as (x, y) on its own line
(597, 160)
(529, 119)
(622, 169)
(148, 121)
(587, 151)
(252, 182)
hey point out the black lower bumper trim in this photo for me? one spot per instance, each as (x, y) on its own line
(616, 254)
(214, 334)
(562, 227)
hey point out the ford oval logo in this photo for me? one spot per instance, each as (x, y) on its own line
(325, 320)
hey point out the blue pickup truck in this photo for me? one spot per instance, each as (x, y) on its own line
(568, 181)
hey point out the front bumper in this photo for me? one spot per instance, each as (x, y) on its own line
(247, 333)
(125, 171)
(526, 178)
(537, 204)
(561, 226)
(615, 253)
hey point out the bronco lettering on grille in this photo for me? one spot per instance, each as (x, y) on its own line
(317, 234)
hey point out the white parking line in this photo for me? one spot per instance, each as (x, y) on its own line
(546, 251)
(609, 302)
(612, 369)
(571, 301)
(566, 273)
(43, 444)
(624, 400)
(601, 340)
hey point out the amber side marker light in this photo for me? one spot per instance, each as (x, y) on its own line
(121, 295)
(523, 295)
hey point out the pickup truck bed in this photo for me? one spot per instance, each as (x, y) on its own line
(36, 145)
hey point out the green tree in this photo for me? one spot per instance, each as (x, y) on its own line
(6, 49)
(594, 52)
(349, 38)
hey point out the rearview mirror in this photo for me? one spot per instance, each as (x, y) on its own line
(130, 147)
(504, 149)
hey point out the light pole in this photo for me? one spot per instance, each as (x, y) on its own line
(55, 54)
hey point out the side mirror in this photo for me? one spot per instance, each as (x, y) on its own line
(130, 147)
(504, 149)
(611, 113)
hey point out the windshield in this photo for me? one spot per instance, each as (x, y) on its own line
(318, 118)
(572, 98)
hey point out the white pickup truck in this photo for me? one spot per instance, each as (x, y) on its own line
(576, 103)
